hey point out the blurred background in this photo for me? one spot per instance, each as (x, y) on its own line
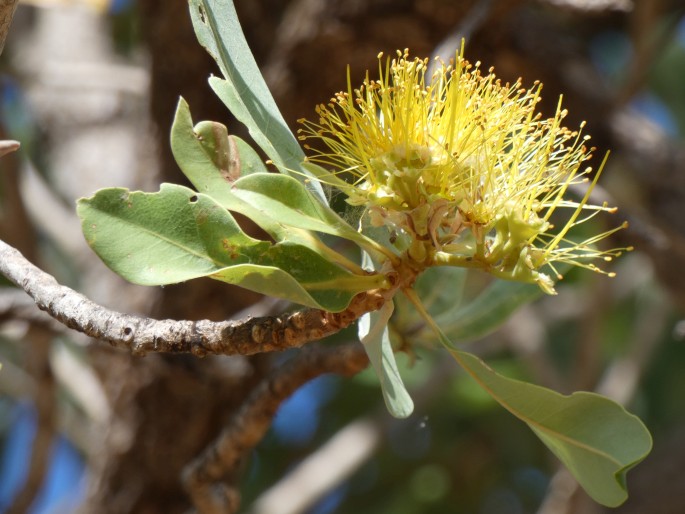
(89, 87)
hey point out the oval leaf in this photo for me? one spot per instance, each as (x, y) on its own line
(596, 439)
(272, 281)
(161, 238)
(177, 235)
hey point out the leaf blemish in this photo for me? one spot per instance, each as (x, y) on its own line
(231, 249)
(201, 217)
(193, 199)
(232, 170)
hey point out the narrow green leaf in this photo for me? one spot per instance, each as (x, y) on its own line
(177, 234)
(487, 311)
(326, 177)
(596, 439)
(374, 335)
(441, 290)
(285, 199)
(244, 91)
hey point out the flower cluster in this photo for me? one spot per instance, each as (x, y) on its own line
(460, 168)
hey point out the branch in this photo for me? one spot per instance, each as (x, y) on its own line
(247, 428)
(144, 335)
(345, 452)
(594, 6)
(322, 471)
(7, 8)
(44, 403)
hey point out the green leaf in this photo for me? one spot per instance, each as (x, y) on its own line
(596, 439)
(195, 152)
(210, 158)
(177, 234)
(287, 200)
(244, 91)
(195, 155)
(373, 333)
(485, 313)
(441, 291)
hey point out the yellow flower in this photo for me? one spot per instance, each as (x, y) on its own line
(460, 167)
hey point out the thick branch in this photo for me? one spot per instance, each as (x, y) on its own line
(204, 475)
(143, 335)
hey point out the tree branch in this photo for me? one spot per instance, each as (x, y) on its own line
(246, 430)
(353, 445)
(143, 335)
(46, 410)
(7, 8)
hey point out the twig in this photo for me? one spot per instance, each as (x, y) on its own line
(348, 449)
(144, 335)
(202, 476)
(594, 6)
(652, 32)
(473, 20)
